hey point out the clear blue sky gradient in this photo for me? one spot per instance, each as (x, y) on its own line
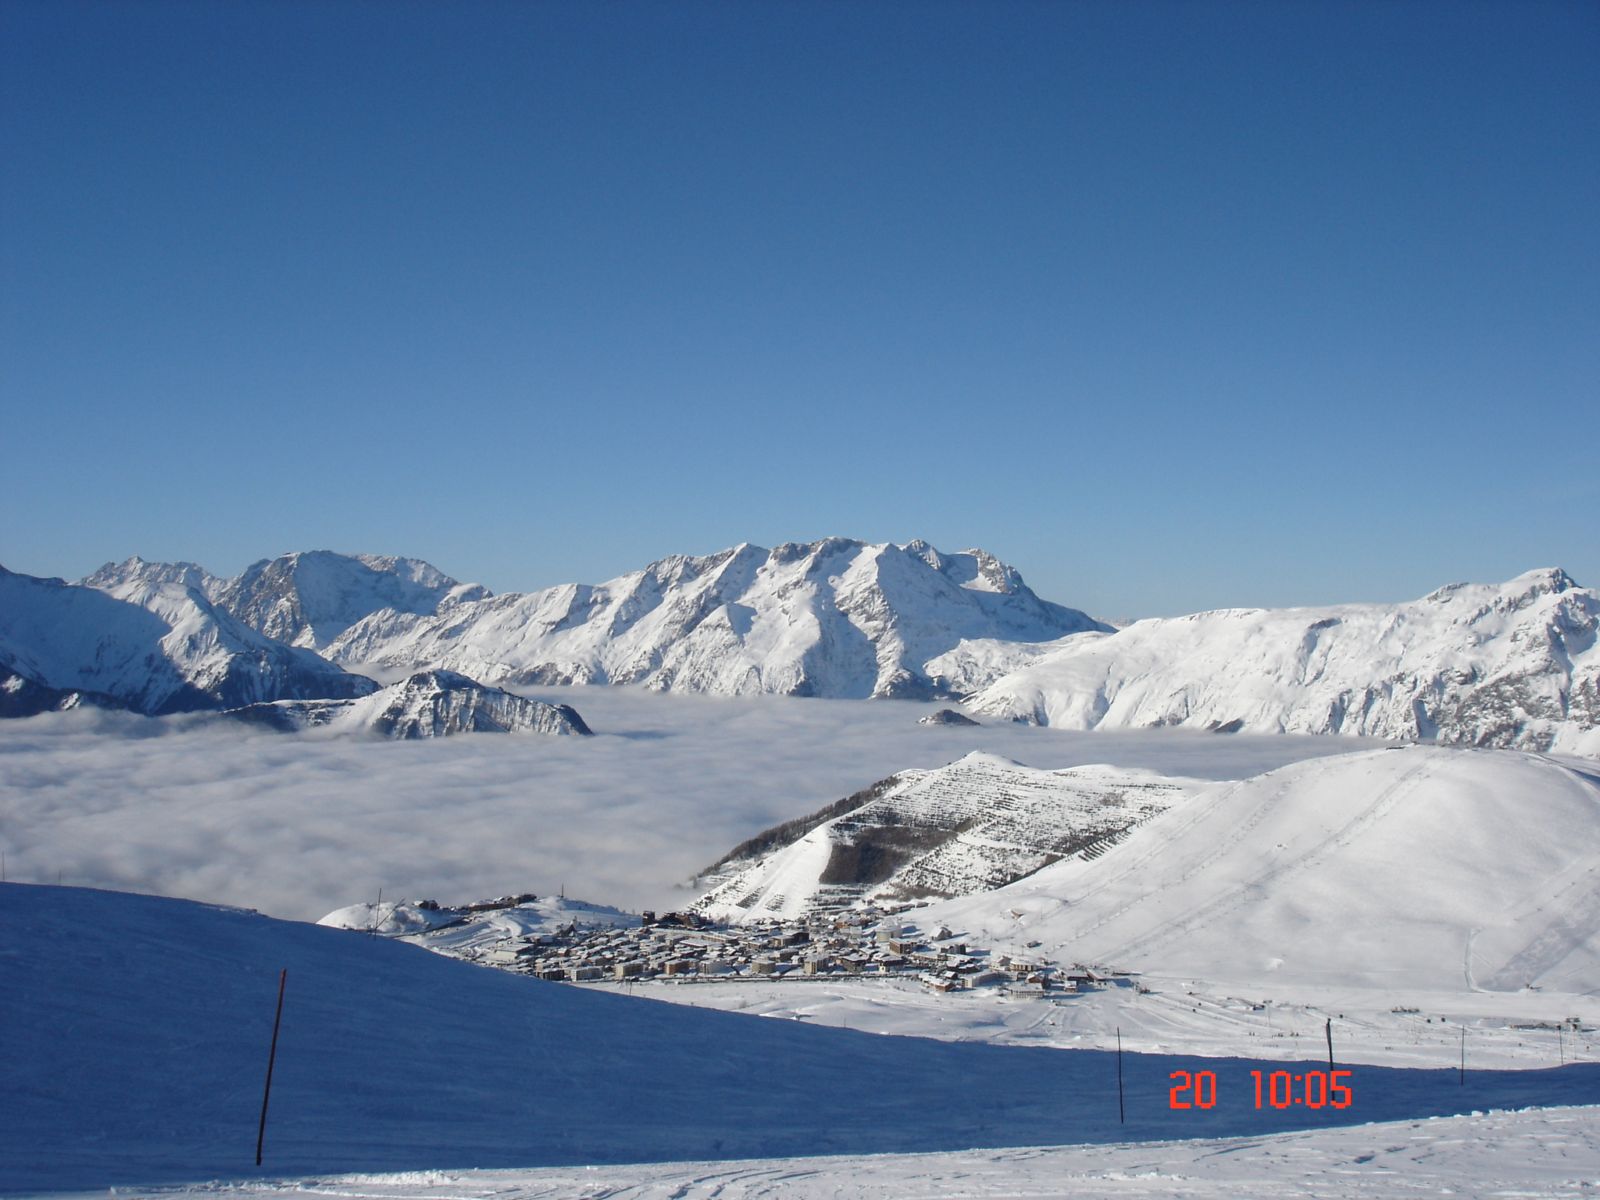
(1173, 306)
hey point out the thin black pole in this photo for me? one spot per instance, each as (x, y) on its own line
(1463, 1078)
(272, 1057)
(1122, 1115)
(1330, 1045)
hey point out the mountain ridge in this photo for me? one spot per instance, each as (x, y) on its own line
(1513, 664)
(836, 617)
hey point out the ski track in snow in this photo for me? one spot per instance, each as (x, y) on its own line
(1550, 1154)
(1232, 900)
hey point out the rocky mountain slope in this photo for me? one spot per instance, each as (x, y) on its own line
(832, 618)
(972, 826)
(1512, 664)
(155, 647)
(305, 599)
(428, 704)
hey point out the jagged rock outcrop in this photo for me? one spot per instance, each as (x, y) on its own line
(428, 704)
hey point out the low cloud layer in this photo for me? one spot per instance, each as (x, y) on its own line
(296, 825)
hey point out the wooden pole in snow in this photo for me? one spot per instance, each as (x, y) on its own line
(1122, 1115)
(1330, 1045)
(272, 1057)
(1463, 1077)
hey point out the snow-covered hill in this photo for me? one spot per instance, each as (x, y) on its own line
(974, 825)
(831, 618)
(155, 646)
(305, 599)
(427, 704)
(1413, 868)
(1512, 664)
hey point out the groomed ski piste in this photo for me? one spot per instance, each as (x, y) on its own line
(136, 1032)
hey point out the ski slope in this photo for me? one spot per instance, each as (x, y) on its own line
(136, 1030)
(1550, 1153)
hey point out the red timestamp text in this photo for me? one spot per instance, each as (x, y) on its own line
(1274, 1089)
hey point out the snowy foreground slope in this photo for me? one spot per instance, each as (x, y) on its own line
(835, 618)
(136, 1031)
(156, 646)
(1550, 1153)
(1512, 664)
(972, 826)
(1413, 868)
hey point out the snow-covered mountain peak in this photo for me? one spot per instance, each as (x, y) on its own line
(311, 597)
(835, 617)
(153, 644)
(306, 598)
(121, 579)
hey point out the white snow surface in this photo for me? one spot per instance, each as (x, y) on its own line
(1511, 664)
(154, 644)
(836, 618)
(136, 1033)
(1551, 1153)
(971, 826)
(1419, 868)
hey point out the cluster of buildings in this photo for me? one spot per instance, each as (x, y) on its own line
(688, 948)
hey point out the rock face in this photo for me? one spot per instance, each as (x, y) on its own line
(305, 599)
(946, 716)
(1506, 665)
(832, 618)
(155, 647)
(975, 825)
(428, 704)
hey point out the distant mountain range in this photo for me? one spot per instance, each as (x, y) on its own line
(834, 618)
(1510, 664)
(153, 645)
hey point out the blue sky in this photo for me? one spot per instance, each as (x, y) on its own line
(1173, 306)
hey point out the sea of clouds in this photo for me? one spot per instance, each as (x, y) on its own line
(297, 825)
